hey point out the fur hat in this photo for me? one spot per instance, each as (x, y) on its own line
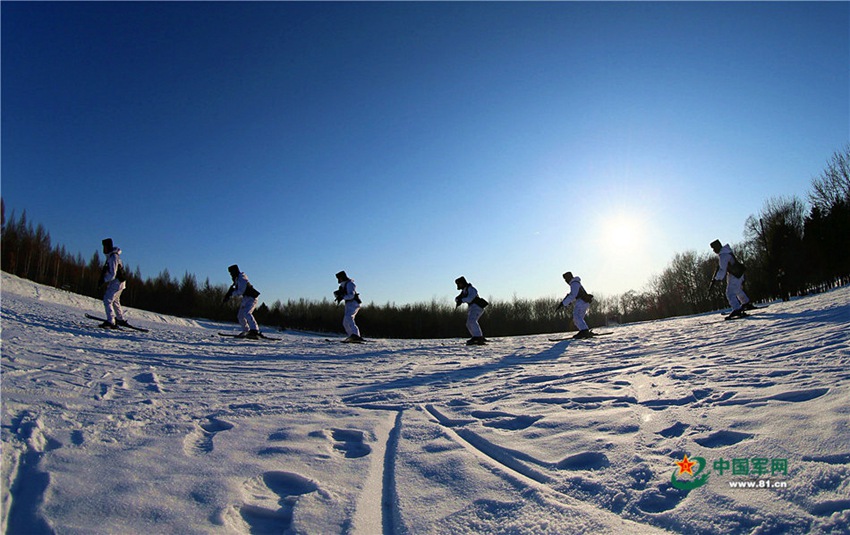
(461, 282)
(716, 245)
(234, 270)
(568, 276)
(341, 276)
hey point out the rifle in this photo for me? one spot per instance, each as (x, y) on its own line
(711, 284)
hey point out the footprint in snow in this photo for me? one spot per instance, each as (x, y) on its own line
(836, 458)
(675, 430)
(200, 440)
(791, 396)
(589, 460)
(351, 442)
(29, 485)
(151, 380)
(829, 507)
(77, 438)
(721, 439)
(273, 497)
(104, 392)
(504, 420)
(282, 435)
(659, 499)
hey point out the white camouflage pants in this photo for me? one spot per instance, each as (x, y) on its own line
(351, 309)
(246, 314)
(472, 317)
(112, 301)
(735, 292)
(579, 312)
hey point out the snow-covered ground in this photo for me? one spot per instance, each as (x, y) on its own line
(181, 431)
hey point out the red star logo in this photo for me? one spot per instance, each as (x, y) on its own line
(686, 466)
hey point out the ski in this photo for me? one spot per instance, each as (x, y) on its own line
(346, 341)
(594, 335)
(727, 311)
(729, 317)
(127, 325)
(261, 336)
(726, 318)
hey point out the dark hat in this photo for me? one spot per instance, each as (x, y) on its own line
(568, 276)
(461, 281)
(716, 245)
(234, 270)
(341, 276)
(107, 243)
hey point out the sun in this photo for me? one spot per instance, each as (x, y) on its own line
(622, 234)
(622, 241)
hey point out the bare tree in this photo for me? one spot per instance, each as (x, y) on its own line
(776, 241)
(832, 187)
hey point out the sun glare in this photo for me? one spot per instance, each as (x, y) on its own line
(622, 234)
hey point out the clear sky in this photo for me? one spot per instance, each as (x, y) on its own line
(411, 143)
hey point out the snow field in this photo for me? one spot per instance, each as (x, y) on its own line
(181, 431)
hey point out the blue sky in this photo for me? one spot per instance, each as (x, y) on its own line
(411, 143)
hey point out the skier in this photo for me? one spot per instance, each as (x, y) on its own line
(475, 308)
(582, 301)
(114, 279)
(347, 292)
(242, 288)
(733, 270)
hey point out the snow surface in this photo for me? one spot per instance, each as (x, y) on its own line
(181, 431)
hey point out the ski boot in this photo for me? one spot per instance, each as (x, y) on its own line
(582, 334)
(737, 313)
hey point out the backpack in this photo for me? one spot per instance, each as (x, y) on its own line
(120, 274)
(736, 268)
(250, 291)
(480, 302)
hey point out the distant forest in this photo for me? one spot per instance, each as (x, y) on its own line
(790, 248)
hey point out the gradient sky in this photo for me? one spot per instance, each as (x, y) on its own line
(411, 143)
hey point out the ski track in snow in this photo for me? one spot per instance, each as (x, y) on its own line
(181, 431)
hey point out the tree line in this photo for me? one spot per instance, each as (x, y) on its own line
(789, 249)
